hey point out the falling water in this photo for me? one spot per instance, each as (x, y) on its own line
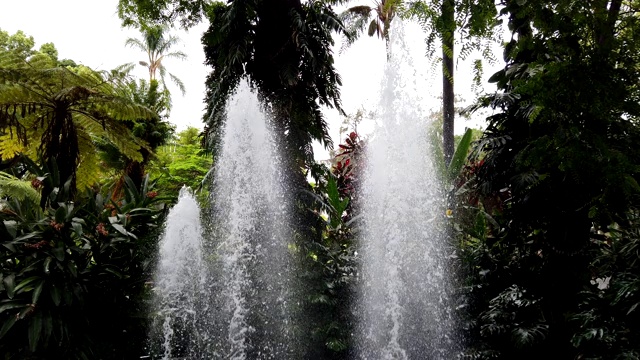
(403, 302)
(249, 235)
(179, 282)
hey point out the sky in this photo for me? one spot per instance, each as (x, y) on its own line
(89, 32)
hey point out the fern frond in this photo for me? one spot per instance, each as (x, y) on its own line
(11, 145)
(11, 186)
(89, 167)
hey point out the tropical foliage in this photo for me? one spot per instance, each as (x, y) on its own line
(561, 163)
(73, 275)
(156, 43)
(375, 19)
(74, 261)
(473, 24)
(181, 162)
(54, 112)
(284, 49)
(543, 206)
(141, 13)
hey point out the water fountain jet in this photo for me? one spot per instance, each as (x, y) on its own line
(403, 301)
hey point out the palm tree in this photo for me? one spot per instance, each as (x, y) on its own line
(156, 44)
(359, 17)
(56, 113)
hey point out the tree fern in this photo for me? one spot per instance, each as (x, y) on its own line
(55, 109)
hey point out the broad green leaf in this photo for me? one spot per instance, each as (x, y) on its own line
(460, 155)
(67, 296)
(47, 263)
(35, 329)
(77, 228)
(36, 292)
(61, 213)
(47, 325)
(24, 285)
(99, 202)
(28, 236)
(54, 291)
(9, 285)
(120, 229)
(58, 252)
(131, 190)
(7, 326)
(8, 305)
(11, 227)
(332, 191)
(480, 227)
(114, 272)
(343, 206)
(73, 268)
(10, 247)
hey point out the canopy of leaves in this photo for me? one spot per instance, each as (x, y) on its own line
(473, 24)
(54, 112)
(142, 13)
(560, 157)
(283, 47)
(182, 162)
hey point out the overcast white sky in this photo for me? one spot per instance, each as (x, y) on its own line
(89, 32)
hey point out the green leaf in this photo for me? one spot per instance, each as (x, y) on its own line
(114, 272)
(9, 285)
(10, 247)
(77, 228)
(55, 294)
(61, 213)
(131, 190)
(58, 252)
(120, 229)
(7, 326)
(28, 236)
(73, 268)
(67, 296)
(47, 263)
(35, 329)
(8, 305)
(343, 206)
(36, 292)
(332, 191)
(11, 227)
(460, 155)
(24, 284)
(496, 77)
(47, 323)
(480, 227)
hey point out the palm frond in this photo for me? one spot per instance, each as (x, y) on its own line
(178, 83)
(136, 43)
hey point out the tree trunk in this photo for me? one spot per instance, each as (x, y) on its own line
(60, 146)
(448, 112)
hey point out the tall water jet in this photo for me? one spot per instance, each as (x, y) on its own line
(403, 301)
(251, 297)
(180, 280)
